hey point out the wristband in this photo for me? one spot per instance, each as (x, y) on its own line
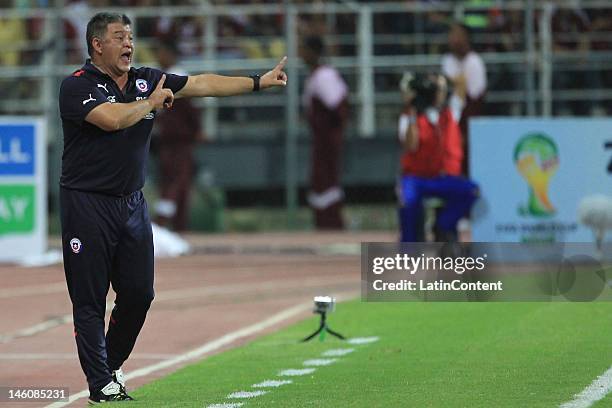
(255, 79)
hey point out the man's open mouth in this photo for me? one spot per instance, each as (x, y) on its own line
(126, 57)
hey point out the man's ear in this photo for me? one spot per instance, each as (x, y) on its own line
(97, 45)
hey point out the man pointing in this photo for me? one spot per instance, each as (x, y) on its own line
(107, 110)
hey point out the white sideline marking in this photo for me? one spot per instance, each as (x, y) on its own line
(363, 340)
(292, 372)
(338, 352)
(226, 405)
(271, 383)
(597, 390)
(319, 362)
(203, 349)
(246, 394)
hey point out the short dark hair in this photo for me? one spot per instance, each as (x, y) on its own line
(98, 24)
(315, 44)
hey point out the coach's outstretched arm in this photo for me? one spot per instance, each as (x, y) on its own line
(219, 85)
(115, 116)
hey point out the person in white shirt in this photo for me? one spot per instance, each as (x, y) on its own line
(463, 65)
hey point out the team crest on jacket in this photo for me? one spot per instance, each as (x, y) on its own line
(75, 245)
(142, 85)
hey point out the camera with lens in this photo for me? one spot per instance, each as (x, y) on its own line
(324, 304)
(424, 90)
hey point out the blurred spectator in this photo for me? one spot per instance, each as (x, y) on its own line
(147, 35)
(177, 131)
(464, 66)
(32, 55)
(12, 38)
(186, 32)
(601, 28)
(229, 31)
(312, 24)
(432, 158)
(506, 33)
(262, 36)
(325, 97)
(78, 12)
(430, 24)
(570, 34)
(12, 32)
(601, 41)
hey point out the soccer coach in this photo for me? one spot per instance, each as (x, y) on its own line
(107, 110)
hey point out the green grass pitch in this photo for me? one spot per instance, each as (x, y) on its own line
(428, 355)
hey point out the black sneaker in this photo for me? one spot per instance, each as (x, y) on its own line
(119, 378)
(110, 393)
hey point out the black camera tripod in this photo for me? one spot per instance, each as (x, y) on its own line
(323, 328)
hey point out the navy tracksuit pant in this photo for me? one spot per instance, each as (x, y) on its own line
(458, 193)
(106, 240)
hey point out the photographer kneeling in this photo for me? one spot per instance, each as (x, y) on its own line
(432, 157)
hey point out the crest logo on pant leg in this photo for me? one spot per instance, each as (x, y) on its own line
(75, 245)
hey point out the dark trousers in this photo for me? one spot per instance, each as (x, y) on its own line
(458, 193)
(106, 240)
(325, 176)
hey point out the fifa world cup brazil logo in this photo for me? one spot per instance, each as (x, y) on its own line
(537, 160)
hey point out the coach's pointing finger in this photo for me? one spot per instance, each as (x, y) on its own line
(275, 77)
(160, 84)
(161, 97)
(281, 64)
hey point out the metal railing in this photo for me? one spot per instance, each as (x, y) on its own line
(370, 54)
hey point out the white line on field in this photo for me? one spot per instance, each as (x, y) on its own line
(319, 362)
(246, 394)
(293, 372)
(299, 372)
(203, 349)
(338, 352)
(597, 390)
(363, 340)
(271, 383)
(226, 405)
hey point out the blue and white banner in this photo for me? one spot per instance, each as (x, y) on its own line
(534, 174)
(23, 188)
(17, 153)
